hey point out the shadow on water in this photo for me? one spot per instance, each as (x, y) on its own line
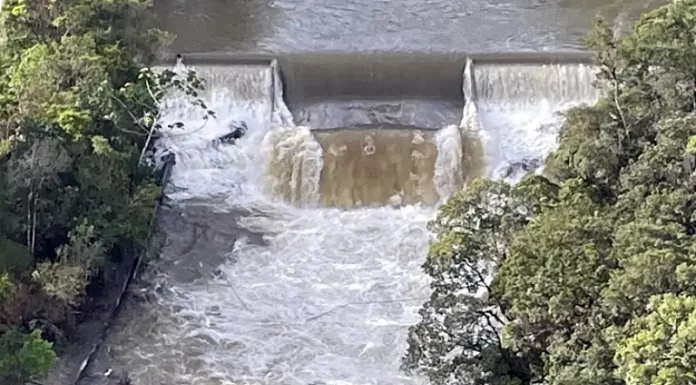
(200, 240)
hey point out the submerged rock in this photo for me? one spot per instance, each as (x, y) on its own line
(158, 158)
(168, 158)
(396, 200)
(237, 130)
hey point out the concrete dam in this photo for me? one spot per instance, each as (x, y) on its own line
(293, 256)
(349, 130)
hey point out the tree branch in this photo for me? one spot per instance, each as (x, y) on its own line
(489, 290)
(487, 313)
(480, 276)
(152, 94)
(188, 133)
(494, 330)
(147, 144)
(125, 108)
(615, 81)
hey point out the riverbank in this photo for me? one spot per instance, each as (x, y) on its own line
(103, 307)
(195, 241)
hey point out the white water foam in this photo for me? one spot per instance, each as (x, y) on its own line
(519, 107)
(328, 300)
(329, 295)
(294, 164)
(449, 170)
(236, 94)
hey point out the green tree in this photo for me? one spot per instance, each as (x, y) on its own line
(24, 357)
(596, 284)
(659, 348)
(553, 278)
(79, 109)
(459, 336)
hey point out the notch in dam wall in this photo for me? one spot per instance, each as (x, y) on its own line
(348, 130)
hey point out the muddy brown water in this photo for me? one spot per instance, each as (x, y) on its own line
(253, 288)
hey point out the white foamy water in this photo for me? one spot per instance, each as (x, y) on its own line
(518, 106)
(327, 298)
(448, 165)
(293, 164)
(236, 94)
(306, 295)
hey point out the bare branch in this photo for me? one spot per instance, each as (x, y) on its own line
(152, 94)
(136, 121)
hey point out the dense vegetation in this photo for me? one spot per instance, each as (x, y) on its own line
(586, 275)
(78, 110)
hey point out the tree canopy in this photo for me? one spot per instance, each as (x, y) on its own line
(587, 274)
(79, 107)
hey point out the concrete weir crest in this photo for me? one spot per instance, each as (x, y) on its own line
(356, 129)
(425, 90)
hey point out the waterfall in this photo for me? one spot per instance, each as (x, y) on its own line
(294, 255)
(294, 164)
(516, 108)
(449, 168)
(516, 85)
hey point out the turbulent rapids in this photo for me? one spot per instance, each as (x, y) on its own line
(293, 255)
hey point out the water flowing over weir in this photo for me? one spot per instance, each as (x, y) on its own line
(518, 105)
(293, 256)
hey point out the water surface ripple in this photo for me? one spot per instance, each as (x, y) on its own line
(384, 25)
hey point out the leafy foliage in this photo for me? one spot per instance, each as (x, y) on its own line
(24, 357)
(79, 109)
(457, 326)
(595, 283)
(6, 286)
(659, 348)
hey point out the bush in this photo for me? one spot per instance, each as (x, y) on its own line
(79, 108)
(24, 357)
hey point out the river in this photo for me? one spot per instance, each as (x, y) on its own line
(294, 256)
(410, 25)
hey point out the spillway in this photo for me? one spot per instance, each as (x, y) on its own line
(294, 256)
(518, 104)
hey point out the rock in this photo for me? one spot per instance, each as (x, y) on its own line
(48, 330)
(213, 311)
(396, 200)
(237, 130)
(158, 158)
(524, 165)
(530, 165)
(168, 158)
(418, 138)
